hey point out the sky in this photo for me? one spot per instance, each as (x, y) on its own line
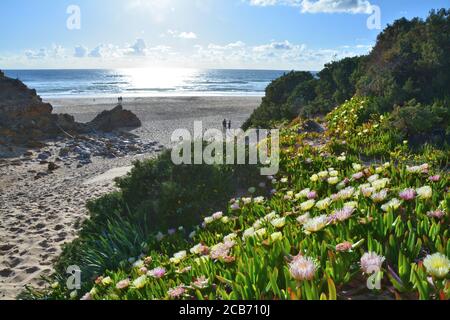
(243, 34)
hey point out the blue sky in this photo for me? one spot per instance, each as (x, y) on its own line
(269, 34)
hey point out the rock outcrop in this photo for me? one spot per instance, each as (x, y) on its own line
(25, 118)
(114, 119)
(311, 126)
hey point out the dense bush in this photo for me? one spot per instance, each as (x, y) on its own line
(409, 61)
(156, 195)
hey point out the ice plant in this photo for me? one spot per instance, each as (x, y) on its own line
(438, 214)
(380, 196)
(305, 206)
(178, 257)
(200, 283)
(425, 192)
(344, 247)
(199, 249)
(394, 204)
(437, 265)
(140, 282)
(323, 204)
(342, 215)
(333, 180)
(371, 262)
(177, 292)
(408, 194)
(315, 224)
(303, 218)
(276, 236)
(312, 195)
(303, 268)
(157, 273)
(436, 178)
(121, 285)
(279, 223)
(358, 176)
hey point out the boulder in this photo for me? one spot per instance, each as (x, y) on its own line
(114, 119)
(310, 126)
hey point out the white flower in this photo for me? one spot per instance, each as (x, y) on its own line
(250, 232)
(178, 257)
(277, 236)
(140, 282)
(323, 204)
(305, 206)
(261, 232)
(208, 220)
(333, 180)
(279, 223)
(437, 265)
(334, 173)
(425, 192)
(314, 178)
(380, 196)
(230, 237)
(323, 174)
(258, 200)
(373, 178)
(380, 184)
(217, 215)
(315, 224)
(357, 167)
(303, 194)
(271, 216)
(394, 204)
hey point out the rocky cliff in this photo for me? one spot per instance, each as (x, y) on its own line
(25, 118)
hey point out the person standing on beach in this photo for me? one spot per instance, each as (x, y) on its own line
(224, 124)
(229, 125)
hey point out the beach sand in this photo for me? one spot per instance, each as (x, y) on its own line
(38, 216)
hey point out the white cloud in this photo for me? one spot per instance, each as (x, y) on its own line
(55, 52)
(188, 35)
(321, 6)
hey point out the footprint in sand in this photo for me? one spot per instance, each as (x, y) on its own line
(6, 273)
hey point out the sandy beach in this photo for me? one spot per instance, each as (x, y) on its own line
(37, 216)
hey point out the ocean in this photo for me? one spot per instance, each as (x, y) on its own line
(146, 82)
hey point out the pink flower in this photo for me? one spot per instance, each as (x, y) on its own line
(177, 292)
(435, 178)
(344, 247)
(303, 268)
(438, 214)
(312, 195)
(358, 176)
(157, 273)
(342, 215)
(87, 297)
(123, 284)
(408, 194)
